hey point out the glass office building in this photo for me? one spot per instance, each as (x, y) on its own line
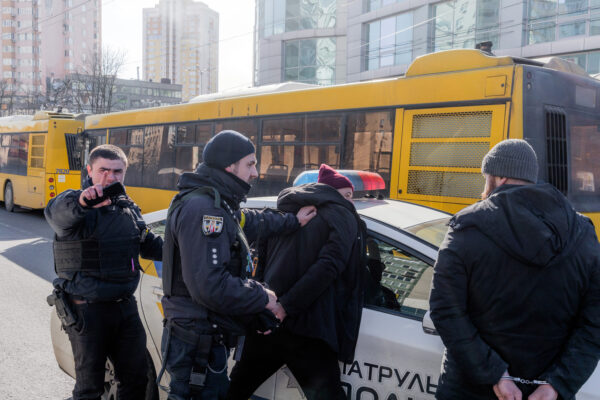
(326, 42)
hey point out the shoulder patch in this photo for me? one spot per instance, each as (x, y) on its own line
(212, 225)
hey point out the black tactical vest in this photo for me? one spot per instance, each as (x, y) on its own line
(111, 259)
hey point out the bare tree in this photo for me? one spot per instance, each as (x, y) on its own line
(7, 96)
(93, 86)
(30, 101)
(59, 93)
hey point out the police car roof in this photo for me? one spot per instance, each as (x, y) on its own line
(398, 214)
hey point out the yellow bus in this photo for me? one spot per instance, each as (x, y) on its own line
(425, 132)
(39, 158)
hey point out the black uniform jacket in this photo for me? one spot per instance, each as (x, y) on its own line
(517, 286)
(71, 221)
(316, 271)
(204, 257)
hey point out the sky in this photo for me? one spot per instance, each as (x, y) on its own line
(122, 29)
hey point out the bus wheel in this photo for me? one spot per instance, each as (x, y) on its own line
(9, 202)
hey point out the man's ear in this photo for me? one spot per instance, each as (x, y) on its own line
(230, 169)
(89, 169)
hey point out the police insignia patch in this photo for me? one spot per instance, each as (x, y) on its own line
(212, 225)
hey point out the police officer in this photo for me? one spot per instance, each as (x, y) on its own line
(209, 300)
(96, 253)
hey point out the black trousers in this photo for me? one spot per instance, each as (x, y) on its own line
(313, 363)
(109, 330)
(180, 356)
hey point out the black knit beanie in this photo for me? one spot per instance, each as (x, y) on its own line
(226, 148)
(512, 158)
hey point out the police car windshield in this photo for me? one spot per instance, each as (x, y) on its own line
(431, 231)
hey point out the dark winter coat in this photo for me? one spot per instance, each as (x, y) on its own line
(203, 259)
(517, 287)
(316, 271)
(72, 222)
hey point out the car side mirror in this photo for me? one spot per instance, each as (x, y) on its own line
(428, 326)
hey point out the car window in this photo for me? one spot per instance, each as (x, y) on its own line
(432, 231)
(396, 280)
(158, 228)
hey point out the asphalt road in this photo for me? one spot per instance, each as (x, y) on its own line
(28, 369)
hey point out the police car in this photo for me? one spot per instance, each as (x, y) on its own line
(398, 353)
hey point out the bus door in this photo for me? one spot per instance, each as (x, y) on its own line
(441, 149)
(36, 172)
(70, 178)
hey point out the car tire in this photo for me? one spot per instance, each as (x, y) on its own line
(9, 198)
(110, 383)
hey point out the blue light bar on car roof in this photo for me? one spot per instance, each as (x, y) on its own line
(362, 180)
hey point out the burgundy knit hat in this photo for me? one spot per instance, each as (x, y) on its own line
(333, 178)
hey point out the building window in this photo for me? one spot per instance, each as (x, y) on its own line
(575, 28)
(540, 32)
(550, 20)
(373, 5)
(278, 16)
(310, 61)
(589, 61)
(463, 23)
(389, 41)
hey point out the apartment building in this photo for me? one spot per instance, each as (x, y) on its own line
(44, 39)
(71, 35)
(335, 41)
(180, 43)
(21, 47)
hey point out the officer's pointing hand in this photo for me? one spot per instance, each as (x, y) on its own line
(305, 214)
(95, 191)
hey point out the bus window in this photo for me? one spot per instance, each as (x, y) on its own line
(187, 158)
(284, 152)
(135, 137)
(118, 137)
(203, 133)
(369, 142)
(4, 144)
(74, 151)
(131, 142)
(314, 156)
(186, 134)
(279, 155)
(283, 130)
(247, 127)
(158, 169)
(585, 165)
(38, 144)
(323, 129)
(13, 153)
(276, 162)
(96, 138)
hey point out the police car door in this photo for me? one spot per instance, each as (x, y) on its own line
(149, 293)
(395, 358)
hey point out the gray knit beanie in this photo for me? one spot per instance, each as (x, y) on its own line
(511, 158)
